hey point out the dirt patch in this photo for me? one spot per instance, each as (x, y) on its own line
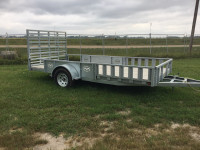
(157, 125)
(191, 128)
(86, 142)
(137, 131)
(194, 132)
(195, 136)
(56, 143)
(107, 125)
(92, 139)
(129, 120)
(60, 143)
(125, 112)
(151, 132)
(97, 116)
(176, 125)
(15, 130)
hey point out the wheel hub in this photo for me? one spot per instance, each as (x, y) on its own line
(62, 79)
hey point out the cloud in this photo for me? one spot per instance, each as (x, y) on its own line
(105, 16)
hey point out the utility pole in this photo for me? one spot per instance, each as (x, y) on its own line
(150, 37)
(193, 26)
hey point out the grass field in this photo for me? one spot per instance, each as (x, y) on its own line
(172, 52)
(112, 41)
(95, 116)
(133, 52)
(110, 117)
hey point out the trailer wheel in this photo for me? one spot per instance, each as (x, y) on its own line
(63, 78)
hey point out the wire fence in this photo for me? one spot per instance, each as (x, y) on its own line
(155, 45)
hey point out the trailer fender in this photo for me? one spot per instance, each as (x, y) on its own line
(72, 70)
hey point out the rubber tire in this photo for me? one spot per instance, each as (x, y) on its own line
(61, 70)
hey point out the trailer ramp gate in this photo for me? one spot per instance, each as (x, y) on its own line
(43, 45)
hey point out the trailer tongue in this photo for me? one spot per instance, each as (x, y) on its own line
(47, 52)
(175, 81)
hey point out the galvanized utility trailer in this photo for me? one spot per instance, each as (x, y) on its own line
(47, 52)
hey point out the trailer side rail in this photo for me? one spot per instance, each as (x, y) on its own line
(146, 70)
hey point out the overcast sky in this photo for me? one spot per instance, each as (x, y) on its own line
(98, 16)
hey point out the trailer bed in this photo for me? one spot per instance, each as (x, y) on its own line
(47, 52)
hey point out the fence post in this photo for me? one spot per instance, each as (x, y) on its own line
(103, 48)
(150, 42)
(80, 44)
(66, 45)
(167, 44)
(126, 45)
(7, 45)
(184, 43)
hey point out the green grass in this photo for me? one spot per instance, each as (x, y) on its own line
(172, 52)
(15, 41)
(132, 52)
(19, 140)
(33, 102)
(141, 52)
(111, 41)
